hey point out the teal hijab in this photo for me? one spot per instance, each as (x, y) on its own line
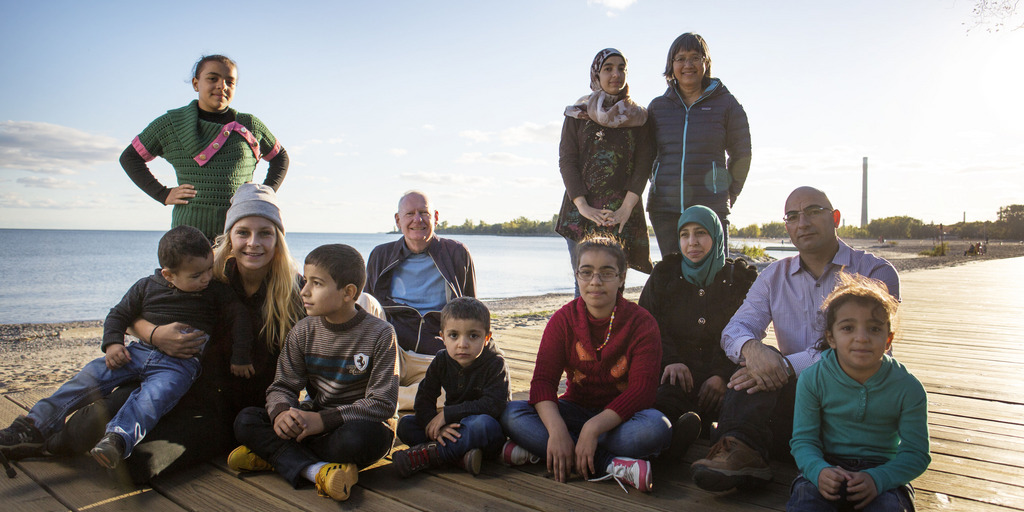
(703, 272)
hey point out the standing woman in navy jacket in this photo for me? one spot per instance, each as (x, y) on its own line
(697, 125)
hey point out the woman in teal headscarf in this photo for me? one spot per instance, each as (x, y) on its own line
(693, 294)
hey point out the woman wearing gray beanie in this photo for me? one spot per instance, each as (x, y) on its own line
(253, 258)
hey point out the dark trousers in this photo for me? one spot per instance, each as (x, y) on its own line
(667, 232)
(358, 442)
(673, 402)
(183, 438)
(763, 420)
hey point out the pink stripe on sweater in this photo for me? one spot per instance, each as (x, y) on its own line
(277, 149)
(222, 136)
(141, 150)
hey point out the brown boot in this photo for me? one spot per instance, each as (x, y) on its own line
(730, 463)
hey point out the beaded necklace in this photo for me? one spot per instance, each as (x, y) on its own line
(607, 336)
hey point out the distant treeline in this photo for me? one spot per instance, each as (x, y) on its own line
(1010, 225)
(520, 226)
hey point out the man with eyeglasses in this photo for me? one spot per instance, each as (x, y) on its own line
(413, 278)
(757, 412)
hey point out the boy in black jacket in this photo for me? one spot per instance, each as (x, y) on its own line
(475, 379)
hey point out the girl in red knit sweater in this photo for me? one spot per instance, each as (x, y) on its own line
(609, 348)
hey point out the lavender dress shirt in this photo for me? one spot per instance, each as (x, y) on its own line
(787, 296)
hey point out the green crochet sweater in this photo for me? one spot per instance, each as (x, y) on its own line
(214, 158)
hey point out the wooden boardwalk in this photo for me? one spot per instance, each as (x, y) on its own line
(961, 333)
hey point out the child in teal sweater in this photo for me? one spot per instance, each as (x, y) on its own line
(860, 424)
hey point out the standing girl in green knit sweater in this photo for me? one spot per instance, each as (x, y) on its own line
(213, 148)
(860, 423)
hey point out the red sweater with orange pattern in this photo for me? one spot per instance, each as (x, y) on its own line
(623, 376)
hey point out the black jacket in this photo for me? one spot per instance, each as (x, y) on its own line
(691, 318)
(695, 140)
(480, 388)
(419, 332)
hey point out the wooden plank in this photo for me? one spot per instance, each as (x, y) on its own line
(972, 408)
(78, 482)
(206, 488)
(271, 483)
(81, 484)
(428, 492)
(23, 494)
(1008, 495)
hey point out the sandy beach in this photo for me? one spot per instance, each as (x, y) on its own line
(45, 355)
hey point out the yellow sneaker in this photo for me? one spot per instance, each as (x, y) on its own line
(243, 459)
(336, 480)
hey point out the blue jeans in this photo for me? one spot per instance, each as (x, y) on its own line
(478, 431)
(360, 442)
(645, 434)
(804, 496)
(165, 380)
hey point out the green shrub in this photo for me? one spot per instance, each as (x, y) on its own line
(753, 251)
(938, 250)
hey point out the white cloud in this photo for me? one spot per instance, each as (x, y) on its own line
(53, 183)
(53, 149)
(15, 201)
(429, 127)
(523, 134)
(435, 178)
(497, 158)
(531, 132)
(612, 4)
(398, 151)
(475, 135)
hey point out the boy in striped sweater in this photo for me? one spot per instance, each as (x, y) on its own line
(345, 360)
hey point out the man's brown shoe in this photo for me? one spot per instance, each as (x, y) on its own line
(730, 463)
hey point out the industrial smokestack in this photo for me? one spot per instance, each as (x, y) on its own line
(864, 197)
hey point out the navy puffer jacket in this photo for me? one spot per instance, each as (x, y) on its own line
(694, 141)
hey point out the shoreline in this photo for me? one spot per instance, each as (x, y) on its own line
(47, 354)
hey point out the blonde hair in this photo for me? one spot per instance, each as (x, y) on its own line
(283, 307)
(861, 290)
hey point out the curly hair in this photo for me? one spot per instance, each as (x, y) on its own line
(862, 290)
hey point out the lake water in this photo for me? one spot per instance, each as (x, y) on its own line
(64, 275)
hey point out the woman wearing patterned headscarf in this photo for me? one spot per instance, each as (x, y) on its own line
(693, 295)
(605, 159)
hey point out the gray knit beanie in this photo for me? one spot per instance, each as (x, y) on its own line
(253, 200)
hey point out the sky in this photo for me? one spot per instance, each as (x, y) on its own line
(464, 100)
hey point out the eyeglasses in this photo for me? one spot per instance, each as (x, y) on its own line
(603, 276)
(810, 213)
(693, 61)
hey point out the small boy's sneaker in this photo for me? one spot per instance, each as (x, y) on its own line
(419, 457)
(471, 461)
(109, 451)
(635, 472)
(243, 459)
(336, 480)
(22, 439)
(514, 455)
